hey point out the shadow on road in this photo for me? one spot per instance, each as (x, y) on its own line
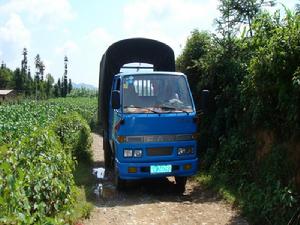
(150, 191)
(137, 192)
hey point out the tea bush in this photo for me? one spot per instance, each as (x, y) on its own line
(36, 179)
(19, 120)
(39, 142)
(74, 134)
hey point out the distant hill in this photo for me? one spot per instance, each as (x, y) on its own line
(83, 85)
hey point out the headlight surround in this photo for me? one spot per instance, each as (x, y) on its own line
(128, 153)
(185, 150)
(137, 153)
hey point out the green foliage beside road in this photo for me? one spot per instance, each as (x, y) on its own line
(74, 134)
(36, 179)
(251, 133)
(39, 142)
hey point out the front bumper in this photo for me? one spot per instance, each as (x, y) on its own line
(143, 169)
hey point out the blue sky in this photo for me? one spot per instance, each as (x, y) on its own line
(83, 30)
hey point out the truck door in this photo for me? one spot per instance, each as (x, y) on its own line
(113, 113)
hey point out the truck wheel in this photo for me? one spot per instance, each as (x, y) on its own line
(107, 154)
(119, 183)
(180, 184)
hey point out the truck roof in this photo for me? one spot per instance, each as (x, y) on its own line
(150, 73)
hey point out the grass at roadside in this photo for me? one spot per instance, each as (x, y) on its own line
(85, 182)
(206, 180)
(81, 209)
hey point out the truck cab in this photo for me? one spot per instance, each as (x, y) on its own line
(152, 132)
(149, 123)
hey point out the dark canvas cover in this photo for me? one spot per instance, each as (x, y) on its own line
(142, 50)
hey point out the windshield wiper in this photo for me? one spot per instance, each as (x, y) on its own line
(138, 107)
(173, 108)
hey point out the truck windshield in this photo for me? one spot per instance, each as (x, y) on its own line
(156, 94)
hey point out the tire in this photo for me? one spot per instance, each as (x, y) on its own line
(180, 184)
(108, 161)
(119, 183)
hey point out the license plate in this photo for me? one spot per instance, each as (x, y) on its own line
(160, 169)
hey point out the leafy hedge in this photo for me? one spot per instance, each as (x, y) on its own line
(37, 164)
(36, 179)
(254, 113)
(74, 134)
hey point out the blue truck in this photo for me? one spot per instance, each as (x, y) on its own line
(148, 118)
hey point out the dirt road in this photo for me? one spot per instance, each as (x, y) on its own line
(153, 202)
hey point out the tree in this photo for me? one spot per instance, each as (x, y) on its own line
(29, 85)
(59, 87)
(37, 67)
(197, 45)
(49, 83)
(24, 61)
(70, 87)
(37, 74)
(27, 80)
(235, 13)
(65, 78)
(3, 65)
(6, 77)
(18, 80)
(226, 23)
(56, 91)
(41, 70)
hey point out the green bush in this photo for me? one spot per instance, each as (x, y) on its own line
(235, 160)
(74, 134)
(38, 142)
(254, 85)
(270, 92)
(273, 203)
(263, 188)
(36, 179)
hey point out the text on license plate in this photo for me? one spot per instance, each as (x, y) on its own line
(160, 169)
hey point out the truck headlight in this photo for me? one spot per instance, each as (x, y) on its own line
(137, 153)
(127, 153)
(185, 150)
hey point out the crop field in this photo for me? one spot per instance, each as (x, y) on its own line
(38, 144)
(19, 120)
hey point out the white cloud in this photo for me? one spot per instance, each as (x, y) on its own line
(66, 31)
(51, 11)
(67, 48)
(172, 12)
(14, 36)
(15, 31)
(170, 21)
(100, 38)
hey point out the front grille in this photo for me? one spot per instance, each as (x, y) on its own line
(161, 151)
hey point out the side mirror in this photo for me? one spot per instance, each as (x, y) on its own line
(204, 101)
(115, 99)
